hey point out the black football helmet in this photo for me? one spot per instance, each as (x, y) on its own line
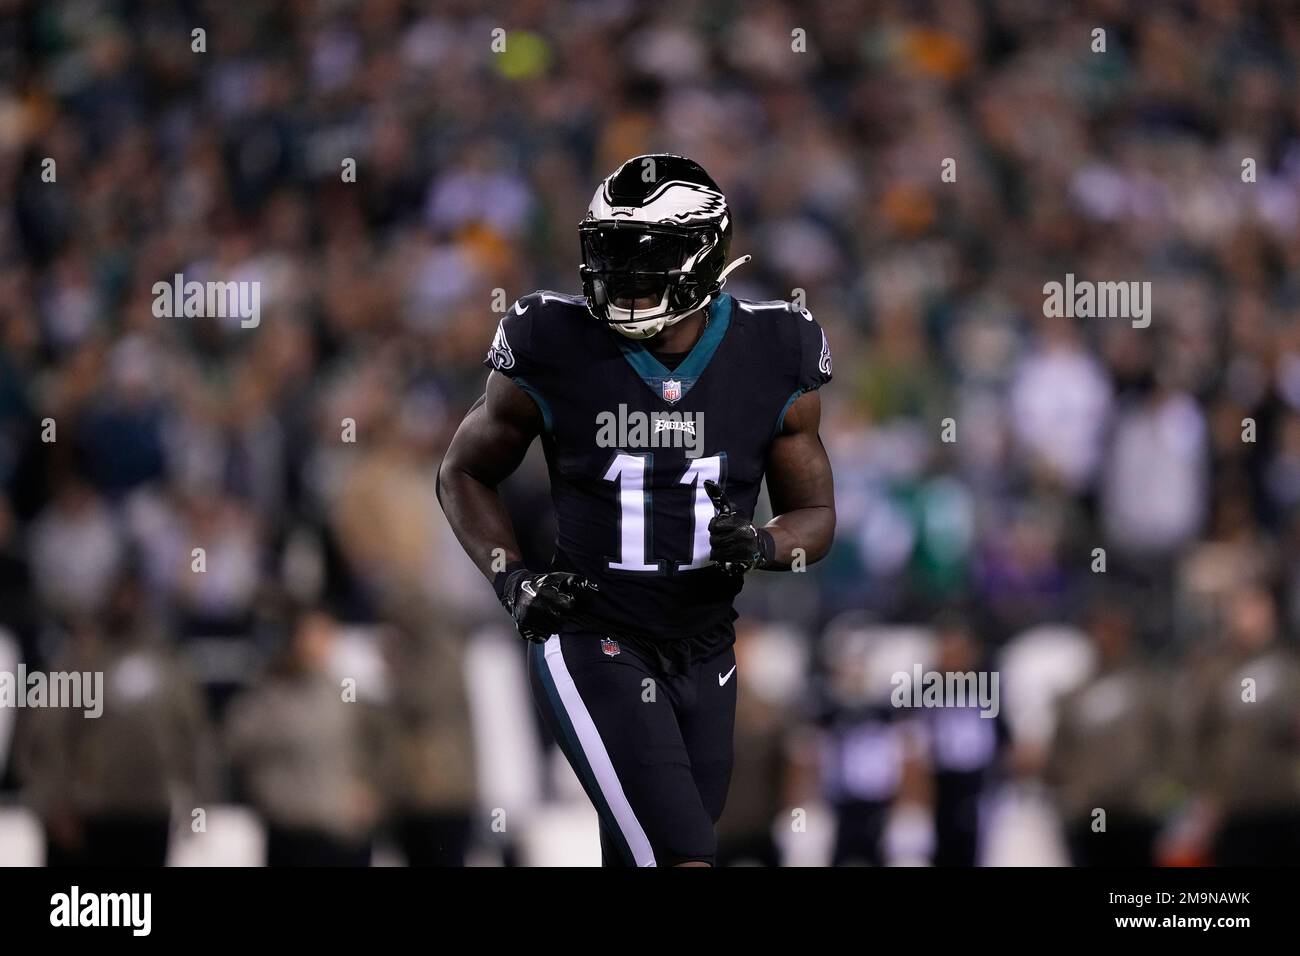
(658, 227)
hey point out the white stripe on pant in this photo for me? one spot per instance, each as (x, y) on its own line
(597, 757)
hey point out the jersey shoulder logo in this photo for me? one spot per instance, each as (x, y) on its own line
(824, 363)
(499, 354)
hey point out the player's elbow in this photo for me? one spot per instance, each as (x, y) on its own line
(445, 482)
(825, 534)
(457, 481)
(816, 531)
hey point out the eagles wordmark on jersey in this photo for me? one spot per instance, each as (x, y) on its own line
(634, 518)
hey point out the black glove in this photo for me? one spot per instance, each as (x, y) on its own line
(734, 542)
(539, 603)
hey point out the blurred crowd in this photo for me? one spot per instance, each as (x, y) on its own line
(238, 525)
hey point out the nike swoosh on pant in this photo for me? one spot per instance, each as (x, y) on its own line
(722, 679)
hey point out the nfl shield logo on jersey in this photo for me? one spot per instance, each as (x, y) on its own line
(610, 647)
(672, 390)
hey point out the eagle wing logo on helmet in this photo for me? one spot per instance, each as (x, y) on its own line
(499, 354)
(824, 363)
(674, 201)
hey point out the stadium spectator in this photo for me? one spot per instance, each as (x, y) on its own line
(1112, 758)
(308, 755)
(1247, 738)
(106, 785)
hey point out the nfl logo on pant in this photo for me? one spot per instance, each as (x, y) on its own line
(610, 647)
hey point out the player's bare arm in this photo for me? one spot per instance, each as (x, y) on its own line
(486, 449)
(800, 487)
(802, 494)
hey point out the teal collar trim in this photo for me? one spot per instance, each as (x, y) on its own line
(655, 374)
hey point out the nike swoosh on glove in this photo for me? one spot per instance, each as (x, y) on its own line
(539, 603)
(734, 542)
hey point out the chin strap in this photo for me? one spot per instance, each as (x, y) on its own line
(722, 276)
(673, 319)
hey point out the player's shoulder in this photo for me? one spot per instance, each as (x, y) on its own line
(551, 305)
(553, 312)
(537, 329)
(775, 311)
(782, 323)
(789, 335)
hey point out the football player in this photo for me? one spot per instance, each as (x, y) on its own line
(661, 402)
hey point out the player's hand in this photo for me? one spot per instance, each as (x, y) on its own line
(539, 603)
(734, 543)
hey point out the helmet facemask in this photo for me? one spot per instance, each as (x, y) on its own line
(627, 262)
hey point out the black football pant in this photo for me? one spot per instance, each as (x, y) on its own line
(653, 751)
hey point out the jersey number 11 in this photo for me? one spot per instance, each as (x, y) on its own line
(629, 472)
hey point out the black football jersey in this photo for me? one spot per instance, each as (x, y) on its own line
(630, 442)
